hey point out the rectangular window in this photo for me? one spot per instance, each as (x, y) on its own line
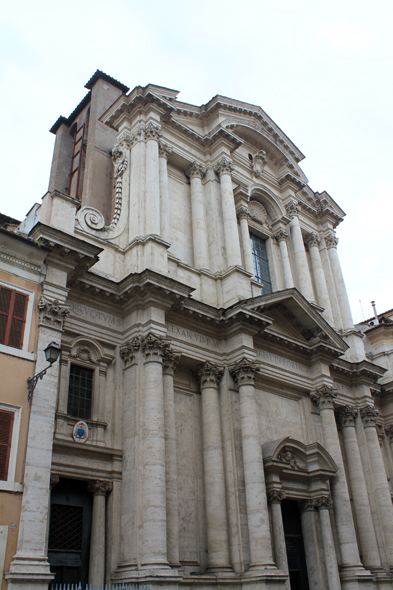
(6, 426)
(80, 392)
(13, 307)
(261, 263)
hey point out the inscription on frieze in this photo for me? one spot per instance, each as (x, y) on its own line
(91, 314)
(280, 361)
(191, 336)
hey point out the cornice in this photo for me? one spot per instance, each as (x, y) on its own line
(363, 370)
(21, 262)
(128, 104)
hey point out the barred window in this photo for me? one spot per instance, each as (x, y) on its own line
(80, 392)
(261, 263)
(13, 307)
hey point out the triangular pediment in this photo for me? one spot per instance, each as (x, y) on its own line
(295, 320)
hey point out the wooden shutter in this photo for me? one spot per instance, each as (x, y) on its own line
(6, 424)
(13, 308)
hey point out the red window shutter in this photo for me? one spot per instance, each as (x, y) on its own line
(6, 424)
(13, 308)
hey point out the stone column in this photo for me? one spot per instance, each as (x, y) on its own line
(303, 273)
(345, 311)
(152, 219)
(275, 497)
(327, 270)
(213, 461)
(244, 373)
(380, 483)
(154, 482)
(164, 152)
(324, 397)
(128, 523)
(243, 215)
(170, 361)
(333, 577)
(30, 567)
(281, 237)
(314, 553)
(323, 300)
(198, 216)
(361, 504)
(99, 490)
(224, 169)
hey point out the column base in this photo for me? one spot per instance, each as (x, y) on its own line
(220, 570)
(356, 578)
(29, 572)
(132, 573)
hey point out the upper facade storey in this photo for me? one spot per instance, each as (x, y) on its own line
(211, 195)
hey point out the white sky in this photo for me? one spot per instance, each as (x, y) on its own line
(321, 69)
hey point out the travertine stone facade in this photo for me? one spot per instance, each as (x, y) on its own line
(201, 287)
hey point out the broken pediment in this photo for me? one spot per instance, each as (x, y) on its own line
(289, 454)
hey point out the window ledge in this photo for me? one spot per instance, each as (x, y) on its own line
(23, 354)
(10, 486)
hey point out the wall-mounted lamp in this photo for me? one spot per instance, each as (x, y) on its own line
(52, 352)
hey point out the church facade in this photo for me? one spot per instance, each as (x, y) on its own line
(214, 420)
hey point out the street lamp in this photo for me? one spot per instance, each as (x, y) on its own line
(52, 352)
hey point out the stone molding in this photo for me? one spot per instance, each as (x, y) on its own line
(84, 354)
(54, 480)
(324, 397)
(258, 163)
(312, 240)
(330, 240)
(152, 131)
(196, 170)
(244, 372)
(170, 360)
(280, 236)
(120, 163)
(224, 166)
(210, 374)
(346, 416)
(21, 262)
(164, 150)
(369, 416)
(99, 487)
(276, 496)
(52, 313)
(258, 212)
(153, 348)
(129, 350)
(292, 208)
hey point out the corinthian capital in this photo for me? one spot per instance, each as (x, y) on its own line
(346, 416)
(52, 313)
(244, 372)
(152, 131)
(129, 350)
(324, 396)
(242, 213)
(276, 496)
(196, 170)
(153, 348)
(369, 416)
(281, 236)
(224, 166)
(210, 374)
(170, 361)
(164, 150)
(312, 240)
(323, 502)
(99, 487)
(330, 240)
(292, 208)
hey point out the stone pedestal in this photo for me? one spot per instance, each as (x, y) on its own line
(213, 462)
(257, 510)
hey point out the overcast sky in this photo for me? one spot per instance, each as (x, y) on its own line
(321, 69)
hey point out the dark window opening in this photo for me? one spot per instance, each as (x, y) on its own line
(13, 308)
(6, 426)
(295, 547)
(250, 157)
(261, 263)
(80, 392)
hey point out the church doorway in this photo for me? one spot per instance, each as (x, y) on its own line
(69, 532)
(295, 546)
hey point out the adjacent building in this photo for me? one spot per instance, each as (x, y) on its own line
(214, 420)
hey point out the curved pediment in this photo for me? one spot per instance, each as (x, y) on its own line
(290, 454)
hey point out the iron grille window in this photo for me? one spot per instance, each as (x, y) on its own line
(80, 392)
(66, 527)
(261, 263)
